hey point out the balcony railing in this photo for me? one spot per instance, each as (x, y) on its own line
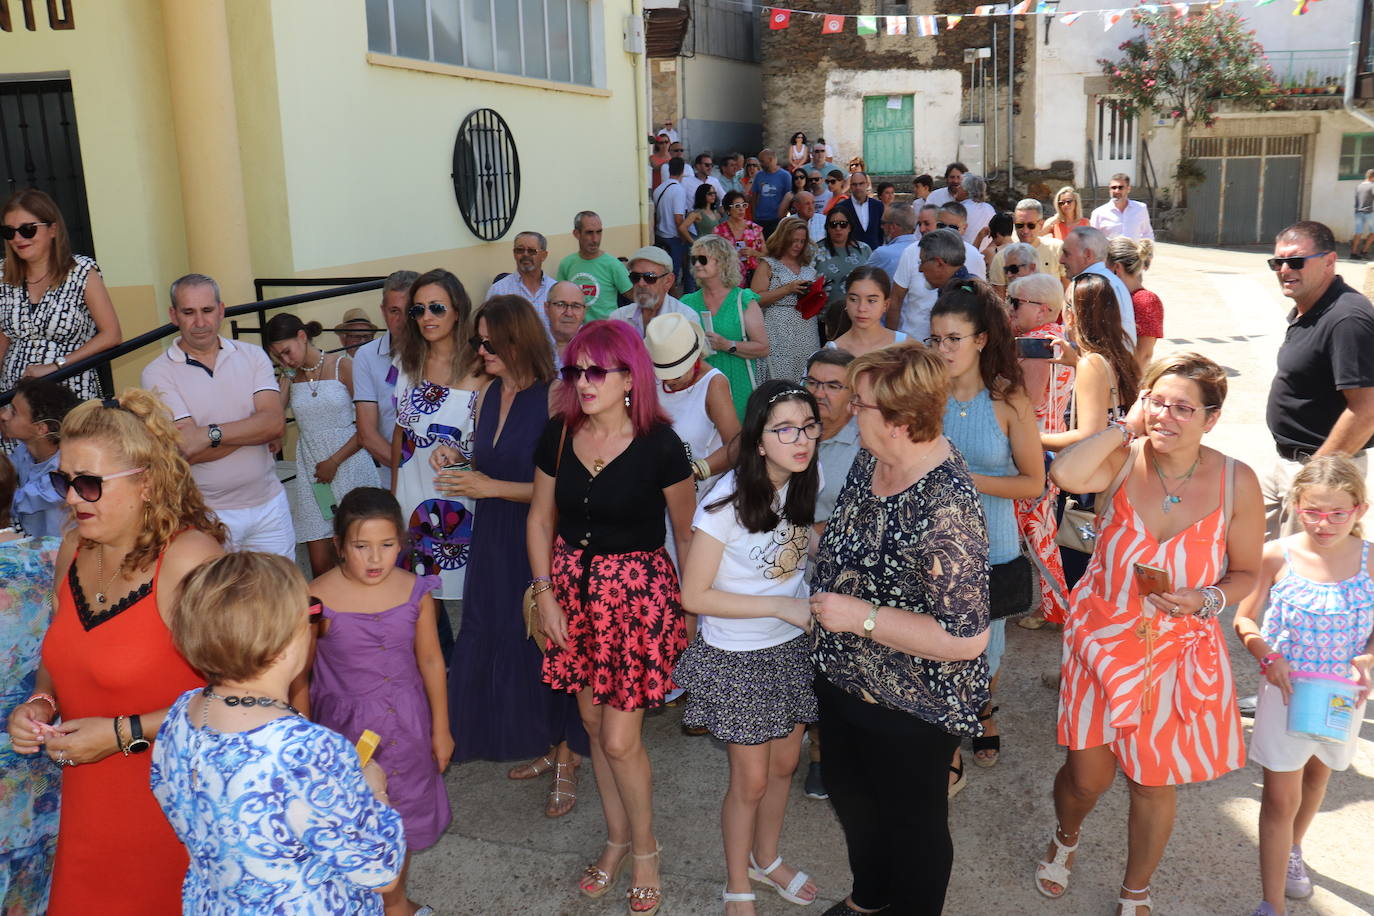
(1316, 72)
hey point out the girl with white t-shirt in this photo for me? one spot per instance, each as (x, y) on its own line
(748, 674)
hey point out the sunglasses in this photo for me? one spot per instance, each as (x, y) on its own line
(1117, 187)
(701, 259)
(595, 374)
(26, 230)
(89, 487)
(1297, 262)
(1015, 269)
(435, 308)
(1016, 303)
(477, 343)
(520, 251)
(837, 225)
(636, 276)
(1025, 225)
(832, 181)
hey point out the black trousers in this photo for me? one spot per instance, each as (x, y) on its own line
(887, 775)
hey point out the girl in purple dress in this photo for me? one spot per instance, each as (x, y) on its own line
(378, 666)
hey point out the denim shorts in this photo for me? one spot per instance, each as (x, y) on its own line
(1364, 223)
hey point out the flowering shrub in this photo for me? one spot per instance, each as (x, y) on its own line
(1182, 66)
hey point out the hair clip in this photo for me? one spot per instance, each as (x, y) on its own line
(113, 404)
(785, 392)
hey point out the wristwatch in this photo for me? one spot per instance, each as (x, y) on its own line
(871, 622)
(137, 743)
(733, 348)
(215, 434)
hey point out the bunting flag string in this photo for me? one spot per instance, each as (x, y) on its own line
(925, 26)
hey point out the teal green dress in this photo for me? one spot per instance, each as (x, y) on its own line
(728, 322)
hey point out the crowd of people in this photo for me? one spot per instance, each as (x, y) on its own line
(792, 468)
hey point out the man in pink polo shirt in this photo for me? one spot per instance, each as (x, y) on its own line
(226, 402)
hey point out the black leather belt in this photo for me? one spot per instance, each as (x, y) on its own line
(1302, 454)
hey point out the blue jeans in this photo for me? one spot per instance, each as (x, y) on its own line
(677, 249)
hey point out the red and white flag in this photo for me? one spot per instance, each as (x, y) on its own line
(1110, 18)
(832, 25)
(927, 26)
(1069, 19)
(1021, 8)
(779, 19)
(896, 25)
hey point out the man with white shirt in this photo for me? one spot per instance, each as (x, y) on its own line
(374, 375)
(954, 184)
(701, 174)
(1121, 215)
(953, 216)
(651, 272)
(1085, 252)
(528, 281)
(924, 268)
(899, 228)
(865, 213)
(670, 208)
(804, 209)
(564, 312)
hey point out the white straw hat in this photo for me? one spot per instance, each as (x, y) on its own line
(675, 343)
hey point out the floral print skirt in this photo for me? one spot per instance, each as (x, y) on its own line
(625, 626)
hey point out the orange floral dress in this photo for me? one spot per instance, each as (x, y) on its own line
(1035, 517)
(1158, 691)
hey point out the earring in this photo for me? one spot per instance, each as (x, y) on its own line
(627, 399)
(893, 434)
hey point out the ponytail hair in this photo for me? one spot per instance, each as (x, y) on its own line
(286, 326)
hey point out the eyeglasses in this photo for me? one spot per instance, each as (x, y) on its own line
(1025, 225)
(856, 404)
(435, 308)
(1117, 187)
(595, 374)
(1017, 303)
(791, 435)
(950, 342)
(566, 306)
(816, 384)
(90, 487)
(636, 276)
(1298, 262)
(1015, 269)
(838, 224)
(477, 343)
(519, 251)
(1180, 412)
(1336, 517)
(26, 230)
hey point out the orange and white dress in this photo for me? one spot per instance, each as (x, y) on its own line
(1158, 691)
(1036, 517)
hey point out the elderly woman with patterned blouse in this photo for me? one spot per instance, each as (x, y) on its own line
(901, 613)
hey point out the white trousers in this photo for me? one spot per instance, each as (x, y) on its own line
(266, 528)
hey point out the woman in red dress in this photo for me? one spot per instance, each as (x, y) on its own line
(109, 669)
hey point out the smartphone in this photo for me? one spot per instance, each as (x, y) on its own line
(707, 324)
(1034, 348)
(1151, 580)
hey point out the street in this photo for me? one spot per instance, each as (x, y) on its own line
(501, 855)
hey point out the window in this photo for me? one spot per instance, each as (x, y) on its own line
(1357, 156)
(543, 39)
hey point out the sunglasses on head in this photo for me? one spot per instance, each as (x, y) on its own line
(90, 487)
(25, 230)
(595, 374)
(435, 308)
(1297, 262)
(477, 343)
(636, 276)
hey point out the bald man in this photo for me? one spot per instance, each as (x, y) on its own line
(566, 309)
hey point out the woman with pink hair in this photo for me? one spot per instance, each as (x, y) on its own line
(606, 468)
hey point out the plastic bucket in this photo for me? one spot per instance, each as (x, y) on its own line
(1322, 707)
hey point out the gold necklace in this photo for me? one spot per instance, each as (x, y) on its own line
(597, 465)
(100, 575)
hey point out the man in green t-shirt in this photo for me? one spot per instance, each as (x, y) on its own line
(599, 275)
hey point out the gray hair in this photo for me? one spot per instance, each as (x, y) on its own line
(1022, 252)
(1091, 240)
(539, 236)
(925, 207)
(192, 280)
(956, 208)
(1122, 177)
(977, 188)
(723, 253)
(1030, 203)
(399, 281)
(945, 244)
(900, 214)
(581, 217)
(1044, 288)
(830, 356)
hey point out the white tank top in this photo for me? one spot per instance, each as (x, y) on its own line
(687, 410)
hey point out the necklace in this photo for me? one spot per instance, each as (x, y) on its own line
(1171, 497)
(314, 383)
(964, 405)
(39, 280)
(247, 702)
(597, 465)
(100, 575)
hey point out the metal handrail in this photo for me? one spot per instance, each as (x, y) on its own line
(104, 357)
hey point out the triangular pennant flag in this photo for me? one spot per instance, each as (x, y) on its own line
(1112, 17)
(779, 19)
(896, 25)
(1021, 8)
(868, 25)
(1046, 7)
(1302, 7)
(1259, 3)
(927, 26)
(1069, 19)
(952, 21)
(833, 25)
(1181, 9)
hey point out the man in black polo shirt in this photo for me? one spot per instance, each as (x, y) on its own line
(1322, 397)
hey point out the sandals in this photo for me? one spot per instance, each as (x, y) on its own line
(985, 743)
(1031, 623)
(644, 901)
(960, 778)
(1056, 871)
(1128, 903)
(596, 881)
(727, 896)
(790, 893)
(532, 770)
(553, 806)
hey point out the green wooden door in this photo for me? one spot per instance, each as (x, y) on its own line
(888, 137)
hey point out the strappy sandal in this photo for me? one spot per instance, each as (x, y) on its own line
(727, 896)
(790, 893)
(644, 901)
(1056, 871)
(596, 881)
(985, 743)
(553, 806)
(1128, 903)
(531, 770)
(960, 778)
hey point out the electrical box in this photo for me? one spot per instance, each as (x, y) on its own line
(634, 34)
(971, 151)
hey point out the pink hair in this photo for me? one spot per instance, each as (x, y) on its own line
(613, 345)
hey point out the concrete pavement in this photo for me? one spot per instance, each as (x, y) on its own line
(501, 855)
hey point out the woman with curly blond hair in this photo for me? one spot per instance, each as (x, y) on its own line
(109, 669)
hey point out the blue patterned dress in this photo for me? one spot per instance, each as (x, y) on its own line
(277, 819)
(29, 784)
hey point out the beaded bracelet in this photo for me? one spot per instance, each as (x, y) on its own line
(537, 579)
(1214, 599)
(46, 698)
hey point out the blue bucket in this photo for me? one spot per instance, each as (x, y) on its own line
(1322, 707)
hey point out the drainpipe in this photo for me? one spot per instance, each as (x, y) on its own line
(643, 90)
(1352, 68)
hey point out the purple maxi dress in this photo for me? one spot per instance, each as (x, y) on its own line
(498, 704)
(366, 677)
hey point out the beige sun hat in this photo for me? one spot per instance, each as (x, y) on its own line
(675, 342)
(357, 314)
